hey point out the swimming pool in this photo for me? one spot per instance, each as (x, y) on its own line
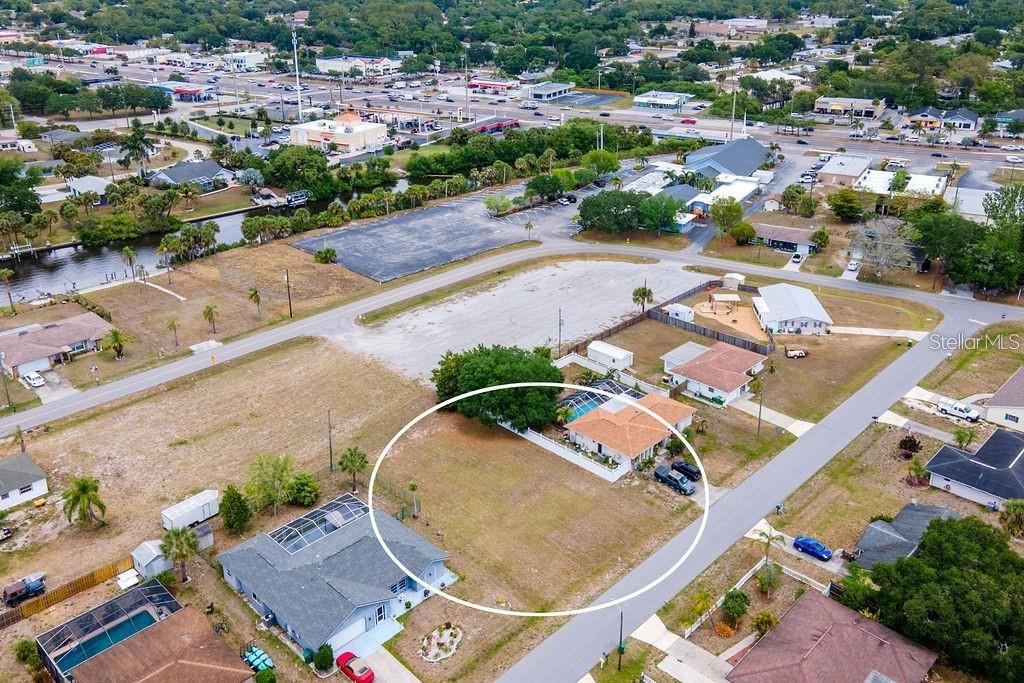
(104, 640)
(582, 402)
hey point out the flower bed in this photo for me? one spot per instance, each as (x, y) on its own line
(441, 643)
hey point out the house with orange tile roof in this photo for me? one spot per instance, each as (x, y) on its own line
(625, 433)
(720, 374)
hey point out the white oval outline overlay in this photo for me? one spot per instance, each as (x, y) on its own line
(516, 613)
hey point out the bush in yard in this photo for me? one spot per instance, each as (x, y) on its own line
(26, 653)
(323, 660)
(910, 444)
(325, 255)
(723, 630)
(764, 621)
(807, 206)
(266, 676)
(820, 238)
(676, 446)
(1012, 517)
(743, 233)
(735, 605)
(235, 510)
(768, 579)
(303, 490)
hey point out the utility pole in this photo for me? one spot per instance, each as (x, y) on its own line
(7, 391)
(465, 68)
(288, 286)
(298, 84)
(560, 321)
(732, 117)
(330, 441)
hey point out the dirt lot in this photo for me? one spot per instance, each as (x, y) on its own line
(223, 281)
(865, 479)
(149, 452)
(512, 496)
(729, 446)
(982, 365)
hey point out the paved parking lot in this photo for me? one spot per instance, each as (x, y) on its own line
(584, 99)
(418, 240)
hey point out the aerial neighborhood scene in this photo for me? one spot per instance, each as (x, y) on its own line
(570, 341)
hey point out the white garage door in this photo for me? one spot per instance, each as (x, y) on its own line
(34, 366)
(342, 637)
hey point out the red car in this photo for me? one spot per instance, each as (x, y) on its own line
(354, 668)
(689, 121)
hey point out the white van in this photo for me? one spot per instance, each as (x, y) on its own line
(415, 84)
(856, 135)
(399, 85)
(824, 157)
(947, 406)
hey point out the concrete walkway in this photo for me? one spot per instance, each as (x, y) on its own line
(790, 424)
(916, 335)
(896, 420)
(685, 662)
(177, 296)
(974, 398)
(738, 647)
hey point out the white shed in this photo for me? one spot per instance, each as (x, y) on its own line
(733, 280)
(193, 510)
(609, 356)
(149, 560)
(680, 312)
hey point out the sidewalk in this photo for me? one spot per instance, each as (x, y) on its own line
(916, 335)
(790, 424)
(685, 662)
(896, 420)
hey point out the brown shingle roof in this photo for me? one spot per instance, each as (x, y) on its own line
(181, 647)
(723, 367)
(51, 338)
(631, 431)
(1011, 394)
(819, 639)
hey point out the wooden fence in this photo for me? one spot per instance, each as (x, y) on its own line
(64, 591)
(757, 347)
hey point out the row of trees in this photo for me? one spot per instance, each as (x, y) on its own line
(617, 211)
(45, 93)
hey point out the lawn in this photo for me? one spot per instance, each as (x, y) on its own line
(210, 204)
(729, 445)
(154, 449)
(649, 340)
(1005, 175)
(982, 364)
(526, 531)
(400, 158)
(671, 241)
(639, 658)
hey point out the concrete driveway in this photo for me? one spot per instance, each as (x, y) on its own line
(56, 387)
(388, 669)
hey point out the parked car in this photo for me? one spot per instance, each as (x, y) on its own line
(795, 353)
(354, 668)
(812, 547)
(687, 469)
(674, 480)
(854, 266)
(571, 198)
(600, 182)
(801, 142)
(605, 114)
(563, 201)
(688, 122)
(23, 589)
(35, 380)
(797, 258)
(948, 406)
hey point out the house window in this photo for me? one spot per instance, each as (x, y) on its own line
(4, 496)
(382, 612)
(1011, 418)
(25, 489)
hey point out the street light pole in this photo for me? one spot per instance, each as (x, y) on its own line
(622, 643)
(298, 84)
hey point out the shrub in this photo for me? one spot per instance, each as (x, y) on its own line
(675, 446)
(723, 630)
(735, 605)
(303, 490)
(910, 443)
(234, 510)
(167, 578)
(743, 233)
(23, 650)
(763, 622)
(323, 660)
(266, 676)
(325, 255)
(768, 579)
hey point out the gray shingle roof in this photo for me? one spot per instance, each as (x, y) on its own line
(887, 542)
(188, 171)
(683, 193)
(19, 470)
(316, 589)
(1011, 394)
(996, 468)
(739, 157)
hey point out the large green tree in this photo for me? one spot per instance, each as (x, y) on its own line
(486, 366)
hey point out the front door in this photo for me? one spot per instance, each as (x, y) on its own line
(382, 612)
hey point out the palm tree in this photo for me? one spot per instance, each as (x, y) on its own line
(137, 147)
(179, 546)
(1012, 517)
(353, 461)
(128, 256)
(68, 213)
(188, 192)
(643, 296)
(769, 538)
(963, 436)
(82, 500)
(210, 316)
(254, 296)
(528, 226)
(5, 276)
(116, 340)
(617, 182)
(89, 200)
(49, 217)
(172, 327)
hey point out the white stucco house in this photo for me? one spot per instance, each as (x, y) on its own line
(21, 480)
(788, 309)
(1006, 407)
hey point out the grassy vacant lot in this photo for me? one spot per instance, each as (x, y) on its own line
(211, 204)
(401, 157)
(527, 530)
(672, 241)
(864, 480)
(152, 450)
(649, 340)
(729, 446)
(982, 365)
(222, 281)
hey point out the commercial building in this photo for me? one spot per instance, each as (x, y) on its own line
(547, 91)
(740, 157)
(492, 85)
(665, 101)
(931, 118)
(843, 170)
(918, 184)
(244, 61)
(849, 106)
(362, 66)
(737, 188)
(347, 132)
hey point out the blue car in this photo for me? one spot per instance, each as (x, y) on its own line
(812, 547)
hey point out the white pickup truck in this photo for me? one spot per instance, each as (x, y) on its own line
(948, 406)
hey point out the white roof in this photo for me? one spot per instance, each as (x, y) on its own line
(847, 164)
(728, 297)
(651, 183)
(89, 183)
(920, 183)
(776, 75)
(190, 503)
(661, 97)
(738, 190)
(146, 551)
(878, 182)
(789, 302)
(609, 350)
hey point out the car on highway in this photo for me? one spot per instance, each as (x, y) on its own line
(892, 138)
(688, 122)
(801, 142)
(553, 118)
(538, 113)
(687, 469)
(812, 547)
(939, 155)
(604, 114)
(1014, 160)
(355, 669)
(35, 380)
(674, 480)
